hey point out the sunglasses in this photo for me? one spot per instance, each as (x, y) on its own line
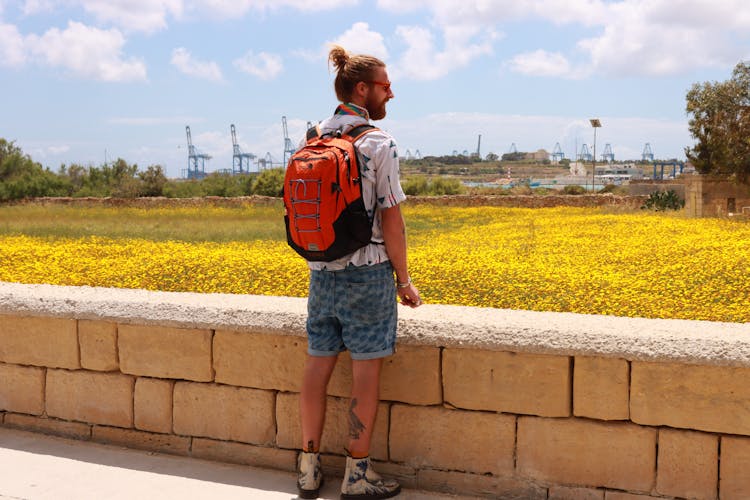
(386, 85)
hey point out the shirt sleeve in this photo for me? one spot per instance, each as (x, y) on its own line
(387, 184)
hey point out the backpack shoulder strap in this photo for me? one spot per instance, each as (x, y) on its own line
(312, 133)
(359, 131)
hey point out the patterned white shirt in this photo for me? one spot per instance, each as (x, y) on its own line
(381, 187)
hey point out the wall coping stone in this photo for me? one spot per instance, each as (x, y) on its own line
(569, 334)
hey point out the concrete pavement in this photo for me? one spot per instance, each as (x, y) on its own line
(39, 467)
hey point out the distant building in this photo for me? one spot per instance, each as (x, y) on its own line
(539, 155)
(617, 174)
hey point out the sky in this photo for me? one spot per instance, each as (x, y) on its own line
(89, 81)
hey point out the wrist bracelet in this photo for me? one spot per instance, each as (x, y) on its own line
(404, 285)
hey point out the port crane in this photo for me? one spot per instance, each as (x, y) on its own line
(196, 161)
(240, 161)
(288, 147)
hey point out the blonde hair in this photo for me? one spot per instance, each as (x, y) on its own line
(350, 70)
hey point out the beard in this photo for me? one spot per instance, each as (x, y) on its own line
(376, 109)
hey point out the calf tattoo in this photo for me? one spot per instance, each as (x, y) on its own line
(355, 424)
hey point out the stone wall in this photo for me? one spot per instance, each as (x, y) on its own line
(707, 196)
(644, 187)
(488, 402)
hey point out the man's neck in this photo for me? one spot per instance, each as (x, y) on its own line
(349, 108)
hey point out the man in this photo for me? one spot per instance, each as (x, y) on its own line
(352, 300)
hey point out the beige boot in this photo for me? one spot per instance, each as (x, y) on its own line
(362, 482)
(309, 476)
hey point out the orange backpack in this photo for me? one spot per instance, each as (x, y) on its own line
(325, 214)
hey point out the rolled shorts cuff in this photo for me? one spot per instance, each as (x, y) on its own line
(364, 356)
(322, 354)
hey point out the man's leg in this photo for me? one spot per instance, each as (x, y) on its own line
(363, 405)
(313, 399)
(360, 480)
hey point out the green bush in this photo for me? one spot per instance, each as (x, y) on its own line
(414, 186)
(521, 189)
(269, 182)
(574, 189)
(663, 200)
(21, 177)
(438, 186)
(183, 188)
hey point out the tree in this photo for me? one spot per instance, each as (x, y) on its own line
(153, 180)
(270, 182)
(720, 123)
(21, 177)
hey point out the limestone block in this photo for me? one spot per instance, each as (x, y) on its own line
(162, 443)
(259, 360)
(507, 382)
(92, 397)
(621, 495)
(164, 352)
(153, 405)
(98, 341)
(335, 436)
(22, 389)
(735, 464)
(244, 454)
(224, 412)
(412, 375)
(405, 475)
(571, 493)
(51, 342)
(45, 425)
(429, 437)
(587, 453)
(688, 465)
(706, 398)
(601, 388)
(334, 465)
(499, 488)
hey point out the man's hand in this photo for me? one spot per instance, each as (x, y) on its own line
(409, 296)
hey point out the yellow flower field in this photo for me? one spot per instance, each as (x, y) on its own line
(557, 259)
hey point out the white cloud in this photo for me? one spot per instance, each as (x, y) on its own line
(46, 151)
(641, 40)
(234, 8)
(12, 50)
(134, 15)
(636, 37)
(56, 150)
(542, 63)
(86, 52)
(262, 65)
(422, 60)
(359, 39)
(491, 12)
(131, 15)
(31, 7)
(206, 70)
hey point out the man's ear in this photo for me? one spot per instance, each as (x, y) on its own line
(360, 89)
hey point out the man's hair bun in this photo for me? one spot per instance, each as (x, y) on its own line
(339, 57)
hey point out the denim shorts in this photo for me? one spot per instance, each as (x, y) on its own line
(354, 309)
